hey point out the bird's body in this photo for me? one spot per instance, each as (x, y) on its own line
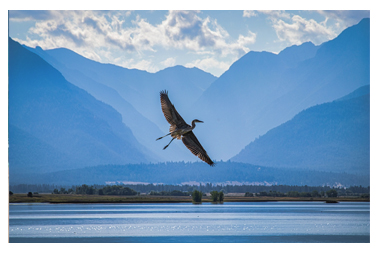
(179, 129)
(182, 130)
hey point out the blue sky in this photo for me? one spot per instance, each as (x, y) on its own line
(153, 40)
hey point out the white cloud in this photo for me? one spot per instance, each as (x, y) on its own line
(80, 29)
(186, 30)
(301, 30)
(170, 62)
(272, 14)
(106, 37)
(243, 41)
(95, 29)
(126, 39)
(90, 54)
(248, 13)
(345, 17)
(208, 64)
(293, 29)
(275, 14)
(146, 65)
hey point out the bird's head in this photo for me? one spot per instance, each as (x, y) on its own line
(198, 121)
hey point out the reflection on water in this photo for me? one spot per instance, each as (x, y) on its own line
(241, 222)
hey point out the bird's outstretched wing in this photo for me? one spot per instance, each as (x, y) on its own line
(191, 142)
(170, 113)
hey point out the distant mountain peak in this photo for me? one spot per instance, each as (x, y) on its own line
(307, 44)
(183, 68)
(298, 53)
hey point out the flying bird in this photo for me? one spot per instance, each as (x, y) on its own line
(179, 129)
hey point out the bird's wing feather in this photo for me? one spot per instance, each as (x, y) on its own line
(170, 113)
(191, 142)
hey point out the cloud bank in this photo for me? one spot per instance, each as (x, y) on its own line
(189, 38)
(94, 33)
(294, 29)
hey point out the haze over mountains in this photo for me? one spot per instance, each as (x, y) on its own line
(141, 88)
(327, 137)
(68, 112)
(262, 90)
(134, 93)
(55, 125)
(192, 173)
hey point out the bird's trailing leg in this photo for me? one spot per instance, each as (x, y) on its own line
(169, 142)
(163, 136)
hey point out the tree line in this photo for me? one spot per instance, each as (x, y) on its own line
(330, 193)
(97, 190)
(163, 189)
(209, 187)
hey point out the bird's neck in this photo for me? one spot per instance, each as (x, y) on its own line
(193, 124)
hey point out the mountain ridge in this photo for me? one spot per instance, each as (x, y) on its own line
(139, 88)
(261, 91)
(92, 77)
(43, 104)
(333, 136)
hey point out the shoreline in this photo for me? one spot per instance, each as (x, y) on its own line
(104, 199)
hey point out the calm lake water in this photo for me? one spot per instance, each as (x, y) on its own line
(268, 222)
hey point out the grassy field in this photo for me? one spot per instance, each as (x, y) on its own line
(75, 198)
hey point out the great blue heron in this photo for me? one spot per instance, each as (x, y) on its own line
(181, 130)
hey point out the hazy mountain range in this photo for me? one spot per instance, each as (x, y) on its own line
(56, 125)
(192, 173)
(263, 90)
(134, 93)
(288, 110)
(333, 136)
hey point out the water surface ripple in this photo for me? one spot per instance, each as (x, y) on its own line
(185, 222)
